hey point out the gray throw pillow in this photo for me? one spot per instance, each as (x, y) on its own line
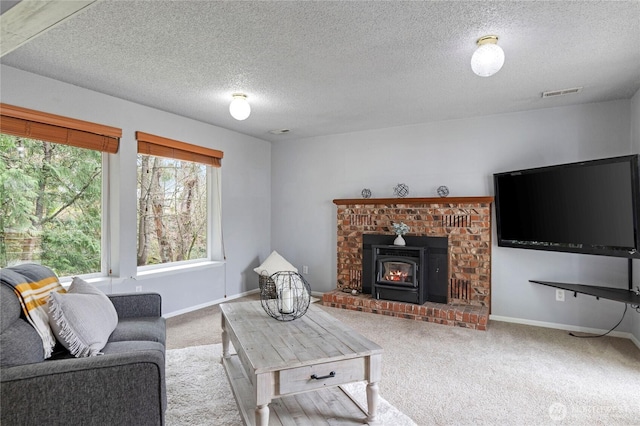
(82, 319)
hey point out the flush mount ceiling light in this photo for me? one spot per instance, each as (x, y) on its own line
(239, 107)
(488, 57)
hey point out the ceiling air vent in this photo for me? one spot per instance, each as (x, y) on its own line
(279, 131)
(562, 92)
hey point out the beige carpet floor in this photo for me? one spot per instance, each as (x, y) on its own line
(509, 375)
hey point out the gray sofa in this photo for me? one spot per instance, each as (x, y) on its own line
(125, 386)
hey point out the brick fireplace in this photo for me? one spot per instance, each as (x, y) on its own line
(464, 221)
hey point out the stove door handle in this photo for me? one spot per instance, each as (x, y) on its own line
(331, 374)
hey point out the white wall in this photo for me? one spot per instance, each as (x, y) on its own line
(463, 154)
(246, 171)
(635, 141)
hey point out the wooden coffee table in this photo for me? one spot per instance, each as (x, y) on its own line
(279, 358)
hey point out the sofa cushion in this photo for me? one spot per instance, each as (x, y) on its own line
(137, 305)
(83, 318)
(19, 341)
(20, 344)
(132, 346)
(9, 307)
(150, 329)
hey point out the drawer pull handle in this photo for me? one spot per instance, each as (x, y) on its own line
(331, 374)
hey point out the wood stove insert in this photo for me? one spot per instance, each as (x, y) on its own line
(434, 271)
(400, 273)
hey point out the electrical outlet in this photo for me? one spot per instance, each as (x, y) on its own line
(559, 295)
(138, 288)
(305, 269)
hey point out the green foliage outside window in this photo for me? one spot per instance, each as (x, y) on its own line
(50, 205)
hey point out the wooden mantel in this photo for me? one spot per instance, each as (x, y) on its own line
(431, 200)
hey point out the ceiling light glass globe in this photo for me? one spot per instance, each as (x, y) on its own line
(239, 108)
(487, 60)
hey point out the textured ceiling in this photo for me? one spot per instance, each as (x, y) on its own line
(321, 68)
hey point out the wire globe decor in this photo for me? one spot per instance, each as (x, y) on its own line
(401, 190)
(286, 296)
(443, 191)
(366, 193)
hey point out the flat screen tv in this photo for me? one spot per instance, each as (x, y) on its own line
(585, 207)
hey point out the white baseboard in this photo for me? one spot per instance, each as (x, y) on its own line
(567, 327)
(226, 299)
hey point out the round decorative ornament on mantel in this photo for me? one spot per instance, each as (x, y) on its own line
(366, 193)
(286, 296)
(401, 190)
(443, 191)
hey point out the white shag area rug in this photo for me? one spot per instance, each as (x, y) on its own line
(198, 392)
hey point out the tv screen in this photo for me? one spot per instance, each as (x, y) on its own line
(586, 207)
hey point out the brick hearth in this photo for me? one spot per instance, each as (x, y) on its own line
(469, 316)
(465, 221)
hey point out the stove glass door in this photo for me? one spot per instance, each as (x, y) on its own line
(397, 272)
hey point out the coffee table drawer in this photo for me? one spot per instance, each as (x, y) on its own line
(299, 379)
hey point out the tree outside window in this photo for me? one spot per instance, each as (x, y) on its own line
(172, 210)
(51, 205)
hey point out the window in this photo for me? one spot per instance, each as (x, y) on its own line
(51, 200)
(173, 200)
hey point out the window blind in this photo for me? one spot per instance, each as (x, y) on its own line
(39, 125)
(164, 147)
